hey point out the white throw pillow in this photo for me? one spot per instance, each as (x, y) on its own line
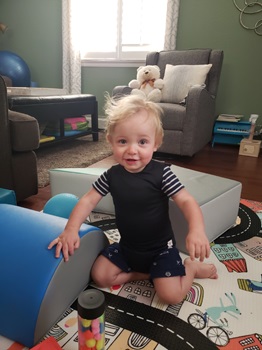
(180, 78)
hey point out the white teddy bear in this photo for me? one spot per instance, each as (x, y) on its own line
(148, 83)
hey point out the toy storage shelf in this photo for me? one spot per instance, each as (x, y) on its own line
(62, 136)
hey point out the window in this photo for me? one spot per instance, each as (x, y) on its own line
(120, 31)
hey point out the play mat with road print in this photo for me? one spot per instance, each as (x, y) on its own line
(216, 314)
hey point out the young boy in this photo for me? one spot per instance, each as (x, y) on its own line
(141, 188)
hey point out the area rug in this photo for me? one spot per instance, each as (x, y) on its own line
(216, 314)
(74, 153)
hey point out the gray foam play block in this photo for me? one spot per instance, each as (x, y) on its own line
(218, 197)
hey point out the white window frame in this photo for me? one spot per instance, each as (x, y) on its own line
(122, 58)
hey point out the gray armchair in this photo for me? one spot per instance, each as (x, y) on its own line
(188, 126)
(19, 136)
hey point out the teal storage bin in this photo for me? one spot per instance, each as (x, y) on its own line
(7, 196)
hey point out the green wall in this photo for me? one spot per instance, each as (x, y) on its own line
(213, 23)
(35, 34)
(98, 81)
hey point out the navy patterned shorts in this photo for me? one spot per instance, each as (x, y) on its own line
(166, 263)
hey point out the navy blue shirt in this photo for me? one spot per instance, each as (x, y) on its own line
(141, 204)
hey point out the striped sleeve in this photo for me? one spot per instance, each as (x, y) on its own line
(170, 183)
(101, 184)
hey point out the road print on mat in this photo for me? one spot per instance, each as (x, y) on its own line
(218, 314)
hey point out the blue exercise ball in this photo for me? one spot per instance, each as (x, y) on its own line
(14, 67)
(61, 205)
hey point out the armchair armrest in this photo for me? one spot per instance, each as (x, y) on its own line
(200, 117)
(24, 131)
(121, 90)
(199, 104)
(8, 81)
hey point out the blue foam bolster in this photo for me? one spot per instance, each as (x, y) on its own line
(26, 267)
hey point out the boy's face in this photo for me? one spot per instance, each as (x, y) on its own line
(134, 141)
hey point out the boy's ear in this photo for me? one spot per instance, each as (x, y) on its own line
(157, 145)
(109, 138)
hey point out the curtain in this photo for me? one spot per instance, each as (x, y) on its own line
(171, 24)
(71, 48)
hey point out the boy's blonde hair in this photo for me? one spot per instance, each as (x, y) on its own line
(120, 109)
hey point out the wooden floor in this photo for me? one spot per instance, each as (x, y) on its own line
(221, 160)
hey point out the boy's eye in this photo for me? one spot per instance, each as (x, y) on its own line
(122, 141)
(143, 142)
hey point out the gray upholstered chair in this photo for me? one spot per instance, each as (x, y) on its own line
(19, 136)
(188, 124)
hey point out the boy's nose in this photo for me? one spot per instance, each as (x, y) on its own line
(132, 149)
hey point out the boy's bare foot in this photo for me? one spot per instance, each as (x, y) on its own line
(202, 270)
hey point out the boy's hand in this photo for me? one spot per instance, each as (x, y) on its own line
(197, 245)
(67, 243)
